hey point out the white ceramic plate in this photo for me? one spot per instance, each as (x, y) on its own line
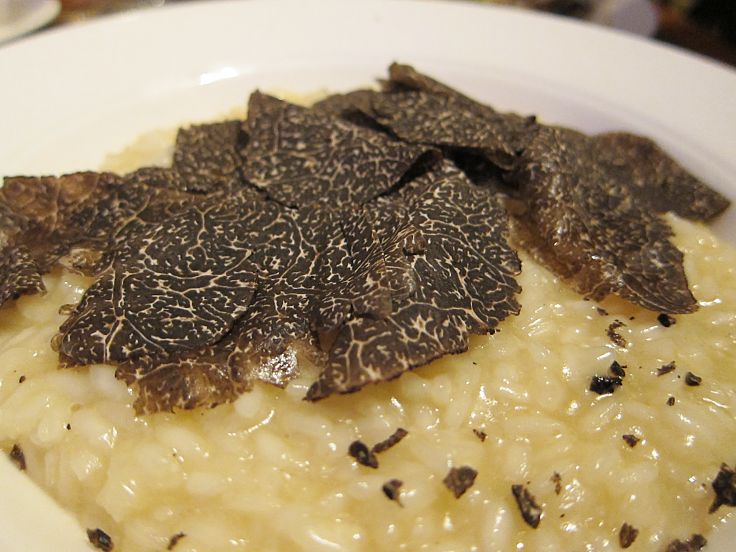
(27, 16)
(70, 96)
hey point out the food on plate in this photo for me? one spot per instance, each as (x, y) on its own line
(307, 252)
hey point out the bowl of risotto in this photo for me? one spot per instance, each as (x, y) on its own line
(358, 276)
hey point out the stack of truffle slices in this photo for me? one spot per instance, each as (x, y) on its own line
(368, 234)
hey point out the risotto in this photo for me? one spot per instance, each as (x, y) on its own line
(272, 471)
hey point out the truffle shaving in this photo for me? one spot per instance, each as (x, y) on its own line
(208, 157)
(188, 281)
(362, 454)
(465, 284)
(530, 511)
(174, 540)
(591, 226)
(724, 486)
(655, 178)
(627, 535)
(459, 480)
(391, 441)
(392, 490)
(100, 540)
(301, 157)
(18, 457)
(693, 544)
(421, 110)
(19, 273)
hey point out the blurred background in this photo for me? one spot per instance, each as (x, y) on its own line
(707, 27)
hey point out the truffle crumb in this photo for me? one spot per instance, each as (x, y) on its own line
(604, 385)
(174, 540)
(666, 320)
(666, 368)
(100, 539)
(557, 480)
(602, 312)
(18, 458)
(695, 542)
(671, 401)
(68, 427)
(724, 486)
(627, 535)
(21, 379)
(530, 510)
(480, 434)
(617, 369)
(616, 338)
(392, 490)
(362, 454)
(692, 380)
(459, 480)
(392, 440)
(631, 440)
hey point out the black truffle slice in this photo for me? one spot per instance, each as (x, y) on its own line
(206, 377)
(655, 178)
(448, 122)
(188, 281)
(19, 273)
(402, 77)
(82, 216)
(400, 238)
(208, 157)
(48, 215)
(351, 269)
(354, 107)
(596, 231)
(301, 157)
(283, 309)
(338, 105)
(422, 110)
(125, 209)
(464, 284)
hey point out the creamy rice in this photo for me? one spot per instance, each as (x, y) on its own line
(271, 471)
